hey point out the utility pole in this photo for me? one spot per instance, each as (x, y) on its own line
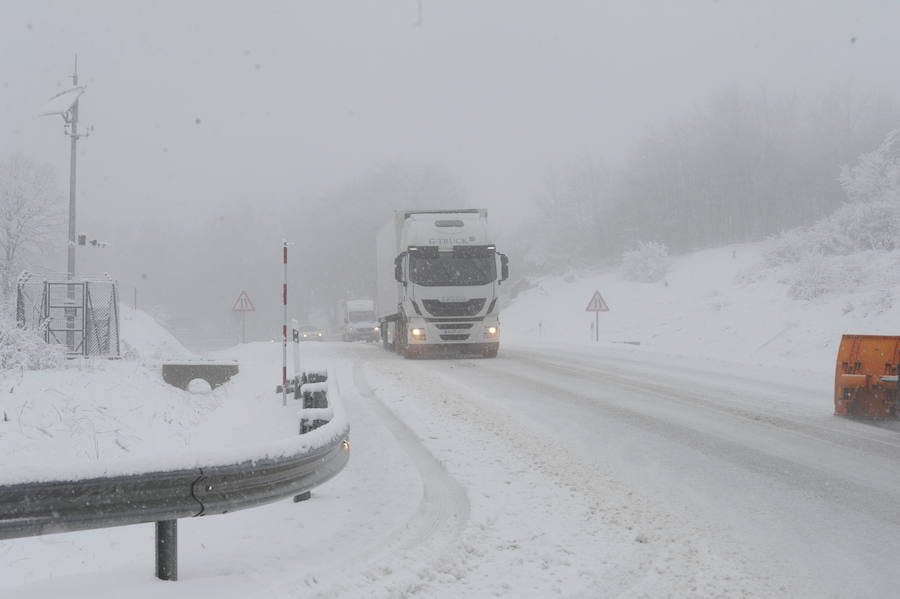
(65, 104)
(71, 118)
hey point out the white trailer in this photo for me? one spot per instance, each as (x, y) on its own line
(438, 278)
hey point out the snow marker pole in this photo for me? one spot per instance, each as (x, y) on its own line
(295, 328)
(284, 245)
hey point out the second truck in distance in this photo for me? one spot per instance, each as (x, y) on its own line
(438, 278)
(356, 320)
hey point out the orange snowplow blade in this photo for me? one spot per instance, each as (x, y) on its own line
(865, 378)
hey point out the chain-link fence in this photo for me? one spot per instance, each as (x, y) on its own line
(82, 315)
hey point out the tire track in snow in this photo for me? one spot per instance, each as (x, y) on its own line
(444, 509)
(407, 559)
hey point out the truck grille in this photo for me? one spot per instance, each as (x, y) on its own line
(455, 337)
(454, 325)
(439, 308)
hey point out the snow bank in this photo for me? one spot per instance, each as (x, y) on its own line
(141, 337)
(100, 417)
(727, 304)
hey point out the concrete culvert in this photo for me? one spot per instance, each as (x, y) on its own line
(199, 386)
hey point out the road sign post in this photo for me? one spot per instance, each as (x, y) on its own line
(597, 305)
(243, 305)
(295, 337)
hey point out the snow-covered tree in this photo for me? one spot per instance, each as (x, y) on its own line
(29, 214)
(877, 174)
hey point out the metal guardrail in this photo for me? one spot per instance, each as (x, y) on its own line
(31, 509)
(37, 508)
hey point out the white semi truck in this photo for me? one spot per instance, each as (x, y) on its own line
(438, 279)
(356, 319)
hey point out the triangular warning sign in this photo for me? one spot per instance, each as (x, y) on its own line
(243, 303)
(597, 304)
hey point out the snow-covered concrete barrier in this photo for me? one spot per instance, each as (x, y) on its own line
(314, 392)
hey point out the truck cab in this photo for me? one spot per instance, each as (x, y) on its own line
(445, 285)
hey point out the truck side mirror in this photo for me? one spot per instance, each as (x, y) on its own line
(398, 269)
(504, 267)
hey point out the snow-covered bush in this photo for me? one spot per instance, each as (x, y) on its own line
(789, 248)
(855, 227)
(861, 226)
(647, 263)
(817, 274)
(811, 277)
(20, 348)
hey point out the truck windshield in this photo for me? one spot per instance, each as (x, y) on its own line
(361, 316)
(451, 268)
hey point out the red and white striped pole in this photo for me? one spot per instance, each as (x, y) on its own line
(284, 334)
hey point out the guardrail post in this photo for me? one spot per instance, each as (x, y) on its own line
(167, 550)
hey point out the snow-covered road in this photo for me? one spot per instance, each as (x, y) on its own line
(596, 472)
(701, 483)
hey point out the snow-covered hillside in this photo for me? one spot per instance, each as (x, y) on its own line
(719, 304)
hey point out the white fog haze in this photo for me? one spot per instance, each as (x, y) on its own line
(221, 127)
(718, 181)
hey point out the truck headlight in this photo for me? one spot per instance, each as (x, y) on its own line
(417, 333)
(377, 329)
(491, 331)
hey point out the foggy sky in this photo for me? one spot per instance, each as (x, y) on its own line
(295, 97)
